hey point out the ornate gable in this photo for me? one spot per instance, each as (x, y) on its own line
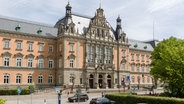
(99, 27)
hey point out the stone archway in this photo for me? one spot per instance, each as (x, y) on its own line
(91, 80)
(100, 81)
(109, 81)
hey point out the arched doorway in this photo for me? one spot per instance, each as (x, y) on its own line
(100, 81)
(91, 81)
(109, 81)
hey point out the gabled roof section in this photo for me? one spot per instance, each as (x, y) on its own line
(81, 23)
(139, 45)
(24, 26)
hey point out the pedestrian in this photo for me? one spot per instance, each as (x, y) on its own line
(68, 93)
(102, 94)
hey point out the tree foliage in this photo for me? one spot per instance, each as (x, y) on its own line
(168, 65)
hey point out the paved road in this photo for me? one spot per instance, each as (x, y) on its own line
(51, 98)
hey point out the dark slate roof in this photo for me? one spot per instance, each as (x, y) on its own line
(140, 45)
(7, 23)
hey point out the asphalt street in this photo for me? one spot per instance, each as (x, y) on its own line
(44, 98)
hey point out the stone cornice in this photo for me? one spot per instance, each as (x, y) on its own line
(26, 68)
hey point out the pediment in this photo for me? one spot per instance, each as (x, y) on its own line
(30, 56)
(6, 54)
(18, 55)
(50, 57)
(71, 56)
(40, 57)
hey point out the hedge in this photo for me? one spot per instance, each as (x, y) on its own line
(25, 91)
(2, 101)
(127, 99)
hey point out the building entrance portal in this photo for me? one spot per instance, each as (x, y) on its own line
(91, 81)
(109, 81)
(100, 81)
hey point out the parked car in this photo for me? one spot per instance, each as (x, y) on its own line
(78, 97)
(101, 100)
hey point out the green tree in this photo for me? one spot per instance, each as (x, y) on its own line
(168, 65)
(2, 101)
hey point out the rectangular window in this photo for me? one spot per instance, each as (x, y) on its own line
(132, 68)
(18, 78)
(19, 45)
(132, 57)
(71, 63)
(142, 68)
(90, 53)
(71, 80)
(142, 58)
(108, 55)
(40, 79)
(41, 48)
(101, 55)
(50, 48)
(148, 69)
(80, 80)
(138, 66)
(50, 79)
(60, 47)
(51, 63)
(148, 80)
(147, 58)
(6, 61)
(6, 43)
(123, 66)
(30, 62)
(123, 53)
(19, 62)
(6, 79)
(137, 57)
(30, 46)
(133, 79)
(60, 79)
(29, 79)
(40, 63)
(143, 80)
(71, 47)
(97, 53)
(60, 63)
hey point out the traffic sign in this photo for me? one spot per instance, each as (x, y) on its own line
(19, 90)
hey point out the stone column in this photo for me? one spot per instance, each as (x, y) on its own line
(96, 81)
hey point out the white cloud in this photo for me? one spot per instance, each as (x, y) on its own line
(157, 5)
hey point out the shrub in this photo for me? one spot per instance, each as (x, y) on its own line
(25, 91)
(2, 101)
(126, 99)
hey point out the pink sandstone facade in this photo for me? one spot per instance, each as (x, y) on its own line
(78, 50)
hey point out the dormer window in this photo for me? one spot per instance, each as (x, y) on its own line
(145, 47)
(39, 31)
(17, 28)
(135, 45)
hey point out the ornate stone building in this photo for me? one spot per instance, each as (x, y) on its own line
(78, 50)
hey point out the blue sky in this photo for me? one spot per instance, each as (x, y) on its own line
(137, 15)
